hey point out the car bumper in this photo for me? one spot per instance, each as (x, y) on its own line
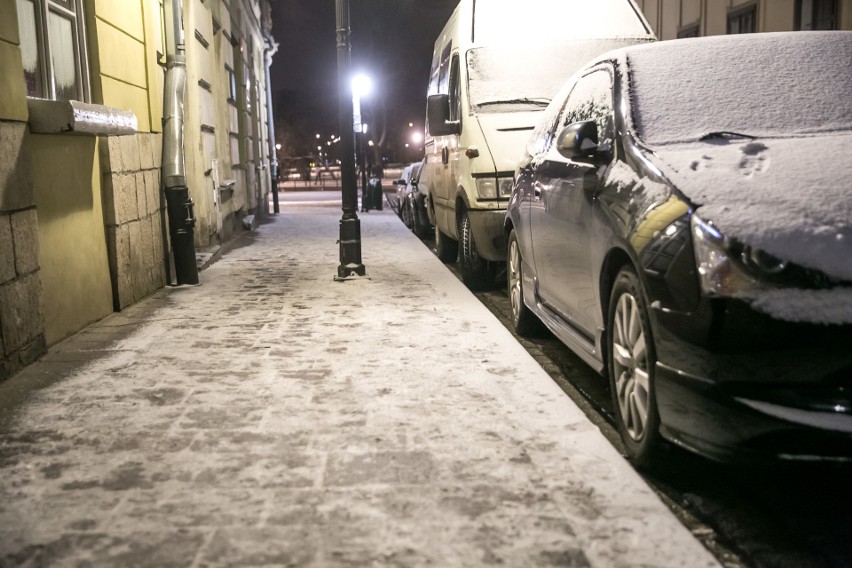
(487, 226)
(790, 402)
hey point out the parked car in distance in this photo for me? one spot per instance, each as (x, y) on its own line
(682, 220)
(495, 67)
(413, 203)
(400, 184)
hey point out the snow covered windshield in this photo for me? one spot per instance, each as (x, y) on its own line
(790, 84)
(554, 19)
(515, 78)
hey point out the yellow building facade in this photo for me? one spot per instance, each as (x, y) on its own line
(673, 19)
(83, 227)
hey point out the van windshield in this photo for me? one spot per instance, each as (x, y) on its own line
(549, 19)
(513, 78)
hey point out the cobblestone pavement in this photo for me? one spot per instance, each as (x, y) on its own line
(275, 417)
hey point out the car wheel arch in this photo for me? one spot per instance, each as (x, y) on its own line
(462, 205)
(616, 259)
(508, 227)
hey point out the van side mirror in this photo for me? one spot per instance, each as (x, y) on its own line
(438, 116)
(578, 140)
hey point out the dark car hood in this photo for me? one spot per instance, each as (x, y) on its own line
(788, 196)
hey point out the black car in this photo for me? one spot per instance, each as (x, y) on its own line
(682, 220)
(412, 203)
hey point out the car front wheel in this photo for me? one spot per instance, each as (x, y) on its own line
(420, 220)
(631, 361)
(405, 212)
(523, 320)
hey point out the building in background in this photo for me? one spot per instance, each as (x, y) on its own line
(690, 18)
(83, 229)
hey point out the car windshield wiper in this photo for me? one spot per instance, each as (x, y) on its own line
(725, 134)
(537, 102)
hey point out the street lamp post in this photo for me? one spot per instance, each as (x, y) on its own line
(350, 226)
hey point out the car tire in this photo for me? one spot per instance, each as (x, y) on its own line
(446, 248)
(405, 212)
(630, 362)
(420, 225)
(524, 321)
(477, 273)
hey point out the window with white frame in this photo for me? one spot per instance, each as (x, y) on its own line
(53, 49)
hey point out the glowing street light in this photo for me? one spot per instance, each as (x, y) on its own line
(362, 86)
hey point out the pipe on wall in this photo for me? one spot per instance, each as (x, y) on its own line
(268, 52)
(179, 204)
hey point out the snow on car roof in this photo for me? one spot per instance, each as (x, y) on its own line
(774, 84)
(778, 178)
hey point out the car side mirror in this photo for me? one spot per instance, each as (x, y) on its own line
(438, 116)
(578, 140)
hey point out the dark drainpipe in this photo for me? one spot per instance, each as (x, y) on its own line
(178, 202)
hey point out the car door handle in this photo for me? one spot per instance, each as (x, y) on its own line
(445, 155)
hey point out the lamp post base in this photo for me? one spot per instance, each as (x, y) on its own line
(350, 249)
(353, 275)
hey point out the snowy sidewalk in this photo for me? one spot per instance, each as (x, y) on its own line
(273, 416)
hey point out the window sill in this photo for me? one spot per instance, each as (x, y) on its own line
(74, 117)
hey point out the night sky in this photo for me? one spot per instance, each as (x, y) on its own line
(392, 42)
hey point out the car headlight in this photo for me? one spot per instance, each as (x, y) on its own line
(729, 268)
(494, 188)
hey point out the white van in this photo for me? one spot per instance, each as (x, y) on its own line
(496, 65)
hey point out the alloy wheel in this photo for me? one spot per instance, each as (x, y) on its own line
(630, 367)
(514, 273)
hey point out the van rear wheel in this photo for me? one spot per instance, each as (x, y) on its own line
(477, 273)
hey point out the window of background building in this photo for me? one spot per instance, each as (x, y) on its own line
(743, 20)
(232, 84)
(816, 14)
(688, 31)
(53, 49)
